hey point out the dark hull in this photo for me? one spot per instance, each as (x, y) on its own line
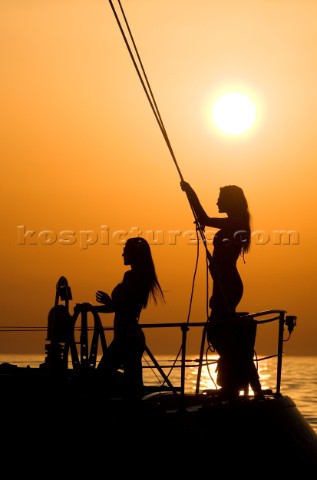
(52, 417)
(59, 421)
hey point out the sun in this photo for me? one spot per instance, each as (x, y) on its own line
(234, 113)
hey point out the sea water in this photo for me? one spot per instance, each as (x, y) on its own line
(298, 381)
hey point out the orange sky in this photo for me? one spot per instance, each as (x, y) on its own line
(82, 152)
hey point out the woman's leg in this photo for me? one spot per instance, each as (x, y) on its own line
(133, 366)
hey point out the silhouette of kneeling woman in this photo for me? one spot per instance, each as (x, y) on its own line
(128, 299)
(233, 341)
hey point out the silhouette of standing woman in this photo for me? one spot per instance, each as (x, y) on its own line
(128, 298)
(231, 241)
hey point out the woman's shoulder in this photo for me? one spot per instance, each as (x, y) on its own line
(133, 278)
(130, 275)
(127, 288)
(127, 274)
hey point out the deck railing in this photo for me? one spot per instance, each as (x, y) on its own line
(82, 353)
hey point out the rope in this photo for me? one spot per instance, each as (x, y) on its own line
(150, 96)
(144, 79)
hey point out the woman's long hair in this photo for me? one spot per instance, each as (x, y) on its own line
(142, 258)
(237, 204)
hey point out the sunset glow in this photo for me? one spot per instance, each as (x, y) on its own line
(84, 165)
